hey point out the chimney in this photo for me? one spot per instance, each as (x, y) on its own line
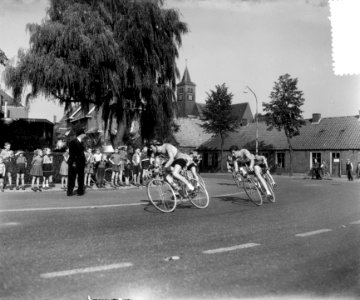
(54, 119)
(316, 118)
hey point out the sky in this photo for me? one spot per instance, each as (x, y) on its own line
(237, 42)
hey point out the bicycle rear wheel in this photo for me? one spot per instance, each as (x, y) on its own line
(270, 187)
(200, 198)
(253, 190)
(161, 195)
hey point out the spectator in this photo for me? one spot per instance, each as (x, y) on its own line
(97, 158)
(115, 160)
(349, 168)
(127, 172)
(5, 153)
(11, 168)
(2, 173)
(136, 161)
(36, 170)
(89, 167)
(123, 159)
(21, 165)
(47, 168)
(100, 171)
(76, 163)
(145, 164)
(64, 169)
(358, 170)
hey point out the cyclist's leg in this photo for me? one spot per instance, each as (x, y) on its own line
(257, 170)
(176, 174)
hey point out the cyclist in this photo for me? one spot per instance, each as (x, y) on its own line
(176, 159)
(262, 162)
(243, 156)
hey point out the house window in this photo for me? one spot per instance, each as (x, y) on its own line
(181, 90)
(210, 158)
(180, 98)
(190, 90)
(190, 97)
(315, 159)
(280, 160)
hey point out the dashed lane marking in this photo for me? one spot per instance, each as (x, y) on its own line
(9, 224)
(91, 206)
(313, 232)
(86, 270)
(355, 222)
(232, 248)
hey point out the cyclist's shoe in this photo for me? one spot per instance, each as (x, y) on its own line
(193, 193)
(269, 196)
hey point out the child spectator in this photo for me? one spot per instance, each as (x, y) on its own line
(64, 169)
(145, 164)
(115, 160)
(136, 161)
(47, 167)
(97, 158)
(127, 172)
(100, 172)
(21, 165)
(2, 173)
(5, 153)
(36, 170)
(11, 168)
(89, 167)
(123, 158)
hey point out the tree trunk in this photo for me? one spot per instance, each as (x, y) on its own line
(118, 139)
(291, 155)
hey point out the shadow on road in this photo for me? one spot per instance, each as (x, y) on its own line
(239, 200)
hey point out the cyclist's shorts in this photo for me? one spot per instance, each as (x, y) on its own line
(180, 161)
(261, 165)
(191, 165)
(242, 163)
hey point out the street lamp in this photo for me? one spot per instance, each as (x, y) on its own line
(256, 118)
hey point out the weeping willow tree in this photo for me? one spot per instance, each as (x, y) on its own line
(116, 54)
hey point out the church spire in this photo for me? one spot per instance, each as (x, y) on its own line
(186, 77)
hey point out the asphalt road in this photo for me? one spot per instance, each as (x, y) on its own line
(112, 244)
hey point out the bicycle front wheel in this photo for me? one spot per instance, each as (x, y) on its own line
(161, 195)
(253, 191)
(200, 198)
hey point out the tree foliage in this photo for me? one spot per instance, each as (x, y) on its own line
(3, 58)
(118, 55)
(219, 119)
(283, 111)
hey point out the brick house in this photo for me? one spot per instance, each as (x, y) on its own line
(332, 140)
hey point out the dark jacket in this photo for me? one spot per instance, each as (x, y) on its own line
(76, 153)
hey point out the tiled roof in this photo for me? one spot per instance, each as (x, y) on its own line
(190, 133)
(336, 133)
(238, 110)
(9, 99)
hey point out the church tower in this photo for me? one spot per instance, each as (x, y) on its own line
(186, 101)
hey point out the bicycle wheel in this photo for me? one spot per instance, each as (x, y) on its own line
(200, 198)
(270, 187)
(161, 195)
(253, 190)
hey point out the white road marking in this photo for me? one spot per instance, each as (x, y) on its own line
(9, 224)
(313, 232)
(355, 222)
(91, 206)
(232, 248)
(86, 270)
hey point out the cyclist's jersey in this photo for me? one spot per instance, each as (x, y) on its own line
(243, 156)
